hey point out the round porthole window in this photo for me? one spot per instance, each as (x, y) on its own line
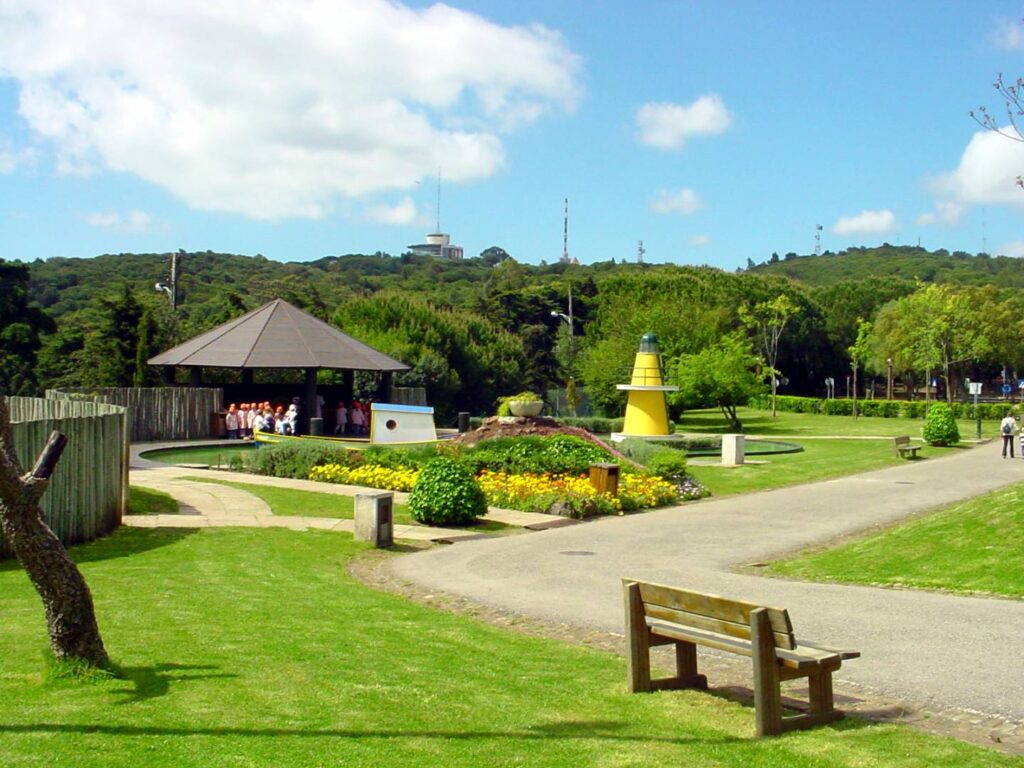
(391, 424)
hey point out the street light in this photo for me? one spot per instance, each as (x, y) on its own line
(571, 383)
(888, 383)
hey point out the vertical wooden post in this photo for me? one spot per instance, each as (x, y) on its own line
(819, 686)
(638, 641)
(767, 693)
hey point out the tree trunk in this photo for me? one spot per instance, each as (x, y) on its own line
(70, 614)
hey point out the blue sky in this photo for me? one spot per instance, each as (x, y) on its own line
(714, 132)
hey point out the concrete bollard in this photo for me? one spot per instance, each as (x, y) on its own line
(733, 450)
(374, 521)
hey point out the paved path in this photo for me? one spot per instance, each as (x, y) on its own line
(203, 505)
(914, 644)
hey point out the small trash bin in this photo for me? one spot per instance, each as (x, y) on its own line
(605, 478)
(464, 422)
(218, 424)
(316, 426)
(374, 520)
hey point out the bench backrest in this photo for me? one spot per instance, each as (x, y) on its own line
(901, 440)
(711, 613)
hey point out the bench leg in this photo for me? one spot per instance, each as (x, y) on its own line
(820, 687)
(767, 690)
(638, 641)
(686, 666)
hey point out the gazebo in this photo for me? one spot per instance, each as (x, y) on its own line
(278, 335)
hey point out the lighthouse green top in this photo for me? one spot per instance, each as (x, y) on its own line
(649, 344)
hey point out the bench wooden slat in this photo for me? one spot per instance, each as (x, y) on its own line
(715, 606)
(720, 626)
(844, 655)
(788, 658)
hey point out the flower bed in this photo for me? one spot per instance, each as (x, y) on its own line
(526, 491)
(368, 475)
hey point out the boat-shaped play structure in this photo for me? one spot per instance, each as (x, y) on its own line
(390, 424)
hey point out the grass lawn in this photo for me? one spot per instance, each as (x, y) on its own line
(973, 546)
(143, 501)
(295, 503)
(761, 423)
(820, 459)
(244, 647)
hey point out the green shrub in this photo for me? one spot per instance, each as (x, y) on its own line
(639, 450)
(556, 454)
(597, 425)
(669, 465)
(402, 457)
(940, 426)
(446, 494)
(296, 461)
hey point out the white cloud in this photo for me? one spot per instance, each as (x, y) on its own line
(112, 221)
(946, 212)
(866, 223)
(12, 158)
(987, 172)
(667, 126)
(684, 202)
(403, 213)
(1014, 248)
(1009, 36)
(698, 241)
(278, 110)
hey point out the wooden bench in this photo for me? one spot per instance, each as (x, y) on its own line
(660, 615)
(901, 447)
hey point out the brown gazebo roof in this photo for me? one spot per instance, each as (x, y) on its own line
(277, 335)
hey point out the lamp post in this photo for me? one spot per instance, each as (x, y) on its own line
(888, 383)
(571, 383)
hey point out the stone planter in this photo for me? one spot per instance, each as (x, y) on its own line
(525, 407)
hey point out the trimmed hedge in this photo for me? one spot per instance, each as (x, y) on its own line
(886, 409)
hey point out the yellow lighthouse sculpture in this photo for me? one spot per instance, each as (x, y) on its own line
(646, 408)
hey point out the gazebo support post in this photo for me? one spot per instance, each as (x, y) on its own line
(309, 401)
(384, 393)
(247, 377)
(348, 387)
(168, 375)
(195, 376)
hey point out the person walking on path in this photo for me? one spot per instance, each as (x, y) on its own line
(1006, 428)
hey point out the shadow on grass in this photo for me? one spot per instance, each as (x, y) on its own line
(122, 542)
(607, 730)
(577, 730)
(151, 682)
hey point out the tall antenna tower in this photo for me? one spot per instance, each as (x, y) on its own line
(640, 252)
(565, 234)
(817, 240)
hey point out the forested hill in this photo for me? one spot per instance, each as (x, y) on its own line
(901, 262)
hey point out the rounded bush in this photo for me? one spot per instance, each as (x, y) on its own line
(668, 464)
(940, 426)
(446, 494)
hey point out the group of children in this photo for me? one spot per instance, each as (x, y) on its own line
(354, 420)
(247, 418)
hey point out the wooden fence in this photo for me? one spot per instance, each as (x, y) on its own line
(158, 413)
(408, 396)
(88, 493)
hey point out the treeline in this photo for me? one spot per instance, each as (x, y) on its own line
(490, 326)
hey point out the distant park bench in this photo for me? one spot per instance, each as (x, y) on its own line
(660, 615)
(901, 447)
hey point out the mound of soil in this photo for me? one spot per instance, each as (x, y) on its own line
(509, 426)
